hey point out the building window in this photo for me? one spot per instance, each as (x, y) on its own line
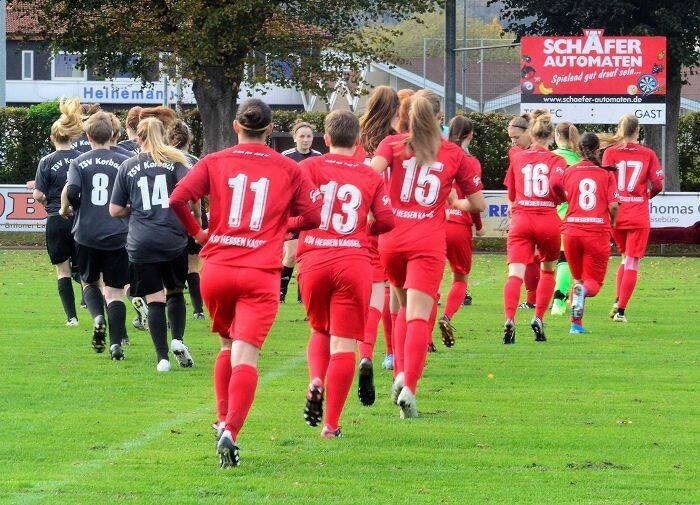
(27, 65)
(63, 66)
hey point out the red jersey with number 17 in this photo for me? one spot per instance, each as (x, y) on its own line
(350, 190)
(419, 193)
(528, 180)
(252, 191)
(637, 166)
(589, 190)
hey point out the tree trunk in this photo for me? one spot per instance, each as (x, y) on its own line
(216, 96)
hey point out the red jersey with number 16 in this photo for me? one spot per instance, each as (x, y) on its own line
(252, 192)
(528, 180)
(350, 190)
(637, 166)
(589, 190)
(418, 193)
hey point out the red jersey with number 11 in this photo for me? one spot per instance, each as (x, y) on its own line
(418, 193)
(252, 191)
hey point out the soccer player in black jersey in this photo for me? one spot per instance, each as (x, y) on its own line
(49, 181)
(130, 125)
(100, 239)
(157, 241)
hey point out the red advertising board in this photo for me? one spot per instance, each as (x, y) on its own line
(594, 78)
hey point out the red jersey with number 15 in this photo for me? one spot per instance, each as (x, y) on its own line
(350, 190)
(637, 166)
(252, 191)
(418, 193)
(589, 190)
(528, 180)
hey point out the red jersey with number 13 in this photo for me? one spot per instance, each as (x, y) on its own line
(637, 165)
(350, 190)
(418, 193)
(252, 190)
(528, 180)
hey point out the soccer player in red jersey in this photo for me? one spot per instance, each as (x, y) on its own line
(534, 223)
(459, 234)
(639, 178)
(335, 268)
(423, 168)
(375, 125)
(591, 193)
(252, 191)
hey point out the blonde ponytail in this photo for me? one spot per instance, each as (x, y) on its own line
(151, 131)
(70, 125)
(425, 136)
(626, 128)
(542, 127)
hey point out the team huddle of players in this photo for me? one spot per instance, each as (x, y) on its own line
(390, 204)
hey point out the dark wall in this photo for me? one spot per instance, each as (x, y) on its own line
(42, 63)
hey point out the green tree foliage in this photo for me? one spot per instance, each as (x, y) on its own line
(677, 20)
(301, 43)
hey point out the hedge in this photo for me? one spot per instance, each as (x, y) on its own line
(24, 134)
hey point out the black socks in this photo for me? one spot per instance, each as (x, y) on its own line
(286, 277)
(65, 292)
(177, 314)
(116, 317)
(94, 300)
(195, 294)
(158, 328)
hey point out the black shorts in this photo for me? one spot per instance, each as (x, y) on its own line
(113, 265)
(193, 247)
(150, 278)
(59, 239)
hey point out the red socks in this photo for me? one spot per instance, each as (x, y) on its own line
(511, 296)
(341, 372)
(545, 290)
(592, 288)
(629, 281)
(241, 393)
(398, 336)
(455, 298)
(389, 332)
(433, 317)
(417, 338)
(318, 352)
(387, 320)
(371, 328)
(618, 279)
(532, 278)
(222, 377)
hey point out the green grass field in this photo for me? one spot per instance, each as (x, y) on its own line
(607, 417)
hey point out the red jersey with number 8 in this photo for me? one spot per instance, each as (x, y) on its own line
(418, 193)
(637, 166)
(589, 190)
(350, 190)
(528, 180)
(252, 192)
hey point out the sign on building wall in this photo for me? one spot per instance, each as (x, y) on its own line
(594, 78)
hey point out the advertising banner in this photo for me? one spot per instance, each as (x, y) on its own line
(19, 211)
(594, 78)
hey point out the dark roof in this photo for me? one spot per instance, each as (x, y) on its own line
(21, 21)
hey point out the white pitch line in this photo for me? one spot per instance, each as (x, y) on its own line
(78, 468)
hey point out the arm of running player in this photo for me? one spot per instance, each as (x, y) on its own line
(468, 178)
(613, 197)
(656, 176)
(478, 223)
(66, 209)
(382, 211)
(557, 184)
(383, 156)
(305, 204)
(194, 186)
(119, 204)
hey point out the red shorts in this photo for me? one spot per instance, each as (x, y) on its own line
(378, 273)
(243, 302)
(631, 242)
(336, 297)
(420, 270)
(528, 230)
(459, 247)
(588, 256)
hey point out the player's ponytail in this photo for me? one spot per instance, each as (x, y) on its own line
(589, 149)
(70, 124)
(522, 121)
(132, 118)
(405, 96)
(567, 136)
(627, 129)
(116, 128)
(375, 124)
(179, 135)
(151, 131)
(424, 131)
(460, 128)
(542, 127)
